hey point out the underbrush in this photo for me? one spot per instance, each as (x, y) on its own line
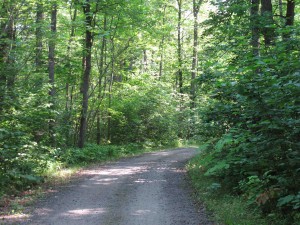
(97, 153)
(228, 206)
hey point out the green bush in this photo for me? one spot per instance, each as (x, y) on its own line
(254, 129)
(97, 153)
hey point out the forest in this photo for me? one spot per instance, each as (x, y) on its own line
(81, 80)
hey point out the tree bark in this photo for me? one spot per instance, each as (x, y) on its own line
(290, 13)
(254, 27)
(69, 90)
(267, 14)
(87, 66)
(289, 18)
(161, 46)
(196, 7)
(7, 45)
(280, 8)
(179, 79)
(51, 70)
(101, 74)
(39, 36)
(109, 135)
(3, 53)
(11, 69)
(2, 70)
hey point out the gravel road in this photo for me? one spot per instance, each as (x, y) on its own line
(151, 189)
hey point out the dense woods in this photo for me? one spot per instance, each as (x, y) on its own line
(79, 78)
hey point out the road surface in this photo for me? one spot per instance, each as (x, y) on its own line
(151, 189)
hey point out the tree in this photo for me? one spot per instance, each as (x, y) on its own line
(290, 16)
(162, 43)
(100, 80)
(267, 21)
(51, 69)
(7, 46)
(179, 77)
(248, 97)
(196, 8)
(254, 27)
(87, 66)
(39, 35)
(123, 72)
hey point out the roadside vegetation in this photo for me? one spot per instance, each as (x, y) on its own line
(225, 204)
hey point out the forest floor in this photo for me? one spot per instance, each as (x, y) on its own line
(149, 189)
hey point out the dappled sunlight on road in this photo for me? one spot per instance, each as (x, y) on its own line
(141, 212)
(148, 181)
(161, 153)
(83, 212)
(123, 171)
(105, 181)
(142, 190)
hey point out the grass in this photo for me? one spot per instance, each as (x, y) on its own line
(227, 209)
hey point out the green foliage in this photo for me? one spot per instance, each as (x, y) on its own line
(128, 103)
(146, 114)
(290, 200)
(251, 111)
(95, 153)
(246, 105)
(24, 154)
(226, 209)
(232, 208)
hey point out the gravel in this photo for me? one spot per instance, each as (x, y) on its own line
(151, 189)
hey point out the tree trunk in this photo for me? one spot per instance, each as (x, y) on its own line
(87, 66)
(254, 27)
(110, 91)
(161, 46)
(101, 74)
(196, 7)
(3, 53)
(290, 13)
(2, 68)
(11, 69)
(51, 69)
(7, 44)
(161, 60)
(280, 8)
(39, 36)
(179, 79)
(109, 106)
(268, 22)
(69, 90)
(289, 18)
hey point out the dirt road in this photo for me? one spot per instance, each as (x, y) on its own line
(151, 189)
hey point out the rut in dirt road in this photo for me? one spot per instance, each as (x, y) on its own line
(147, 190)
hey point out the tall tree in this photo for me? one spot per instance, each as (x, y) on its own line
(196, 7)
(87, 66)
(179, 80)
(39, 35)
(101, 76)
(161, 44)
(268, 22)
(7, 44)
(69, 89)
(289, 17)
(51, 69)
(254, 12)
(290, 12)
